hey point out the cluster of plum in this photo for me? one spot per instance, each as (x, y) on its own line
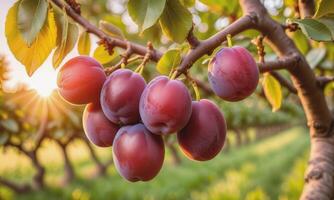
(131, 116)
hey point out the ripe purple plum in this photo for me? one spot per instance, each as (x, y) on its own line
(138, 154)
(80, 80)
(120, 96)
(98, 129)
(204, 136)
(165, 106)
(233, 73)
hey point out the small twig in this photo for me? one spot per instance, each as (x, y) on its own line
(124, 61)
(292, 27)
(74, 5)
(285, 83)
(322, 81)
(192, 39)
(260, 48)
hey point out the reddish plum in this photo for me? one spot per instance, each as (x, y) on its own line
(165, 105)
(204, 136)
(233, 73)
(120, 96)
(80, 80)
(98, 129)
(138, 154)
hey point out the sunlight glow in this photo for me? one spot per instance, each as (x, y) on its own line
(44, 81)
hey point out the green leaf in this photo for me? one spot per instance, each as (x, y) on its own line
(324, 7)
(188, 3)
(314, 29)
(146, 12)
(176, 21)
(273, 91)
(101, 55)
(169, 61)
(34, 55)
(3, 138)
(315, 56)
(67, 37)
(328, 21)
(30, 18)
(11, 125)
(84, 43)
(111, 29)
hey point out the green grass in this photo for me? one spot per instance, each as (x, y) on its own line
(260, 170)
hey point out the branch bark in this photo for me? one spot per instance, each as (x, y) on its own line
(306, 8)
(282, 63)
(136, 48)
(319, 175)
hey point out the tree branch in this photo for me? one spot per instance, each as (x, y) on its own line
(282, 63)
(14, 186)
(207, 46)
(324, 80)
(136, 48)
(306, 8)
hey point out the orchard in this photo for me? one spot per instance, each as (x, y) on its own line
(206, 93)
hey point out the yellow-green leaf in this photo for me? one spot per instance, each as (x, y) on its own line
(33, 56)
(273, 91)
(101, 55)
(111, 29)
(84, 43)
(169, 61)
(324, 7)
(67, 37)
(176, 21)
(31, 17)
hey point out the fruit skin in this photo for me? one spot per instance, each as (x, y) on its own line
(120, 96)
(233, 73)
(165, 106)
(204, 136)
(98, 129)
(80, 80)
(138, 154)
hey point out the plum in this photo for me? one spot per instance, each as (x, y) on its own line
(98, 129)
(165, 105)
(233, 73)
(204, 136)
(80, 80)
(120, 96)
(138, 154)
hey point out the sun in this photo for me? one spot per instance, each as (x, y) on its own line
(44, 81)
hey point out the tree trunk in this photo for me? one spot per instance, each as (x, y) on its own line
(238, 137)
(101, 168)
(175, 154)
(68, 168)
(18, 188)
(319, 183)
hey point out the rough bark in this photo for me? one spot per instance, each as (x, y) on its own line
(319, 176)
